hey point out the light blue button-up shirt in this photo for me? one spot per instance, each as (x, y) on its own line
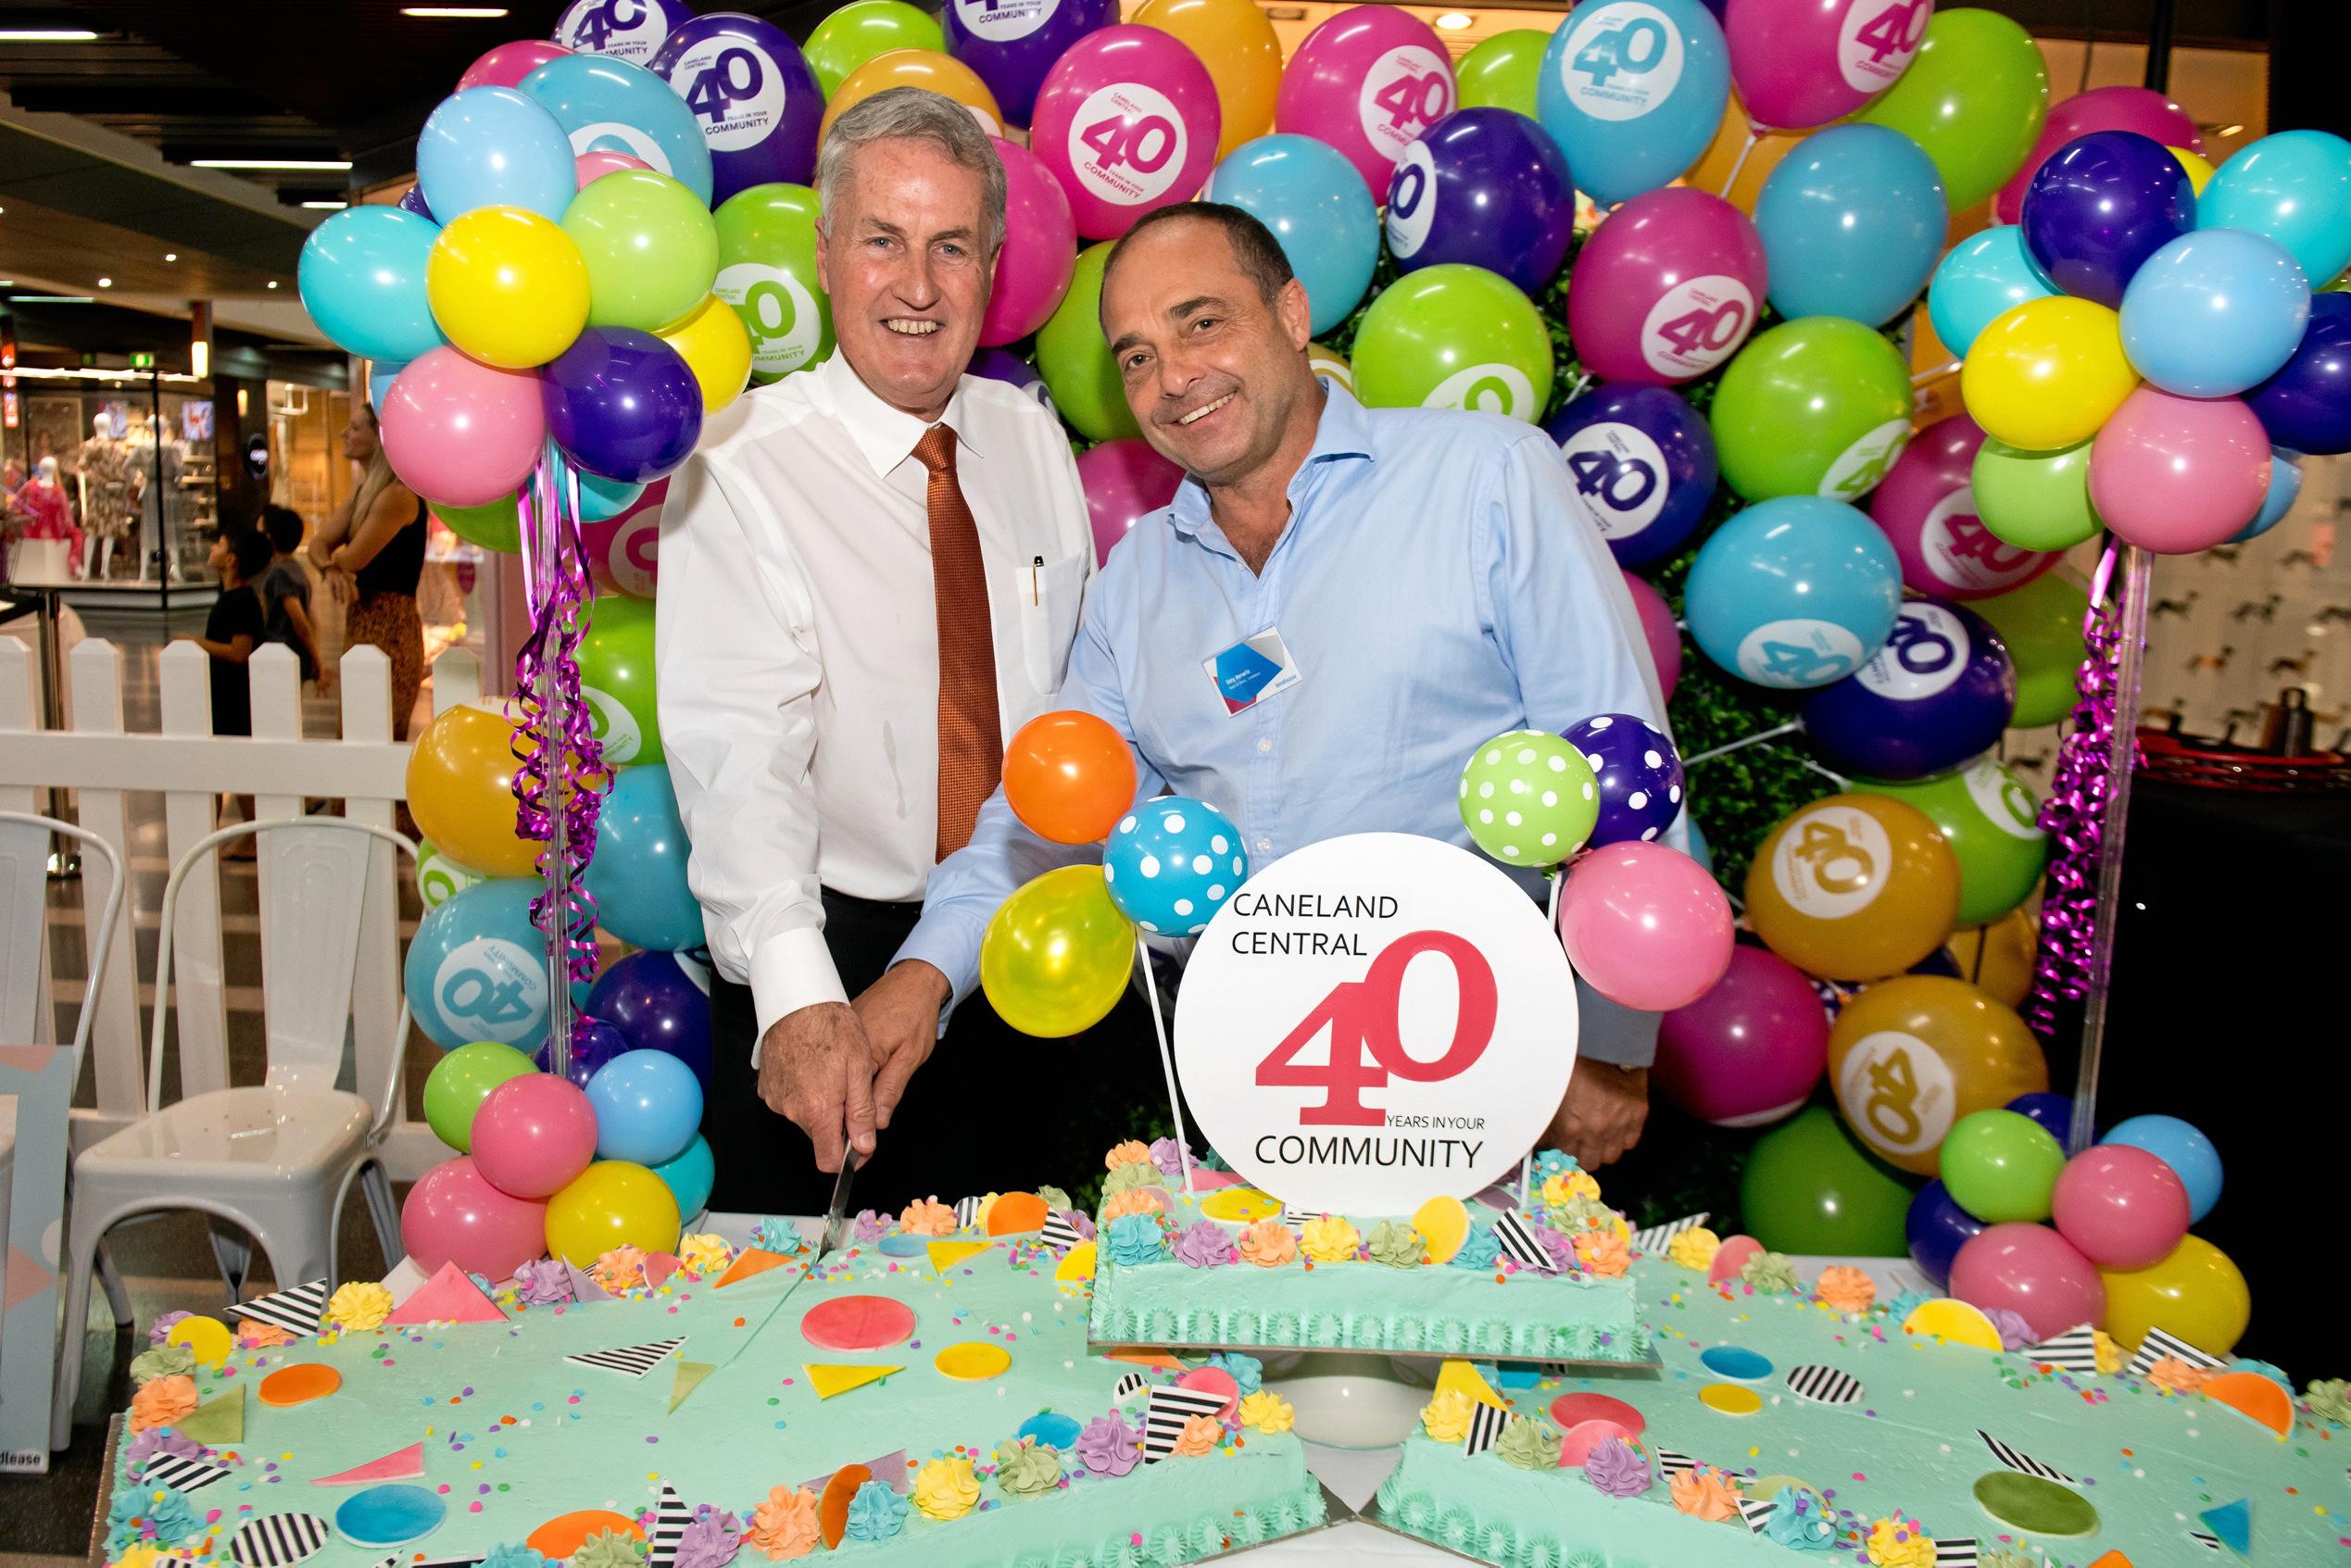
(1435, 586)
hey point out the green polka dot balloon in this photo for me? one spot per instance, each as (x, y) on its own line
(1529, 798)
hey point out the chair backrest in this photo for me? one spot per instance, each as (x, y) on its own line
(315, 873)
(24, 912)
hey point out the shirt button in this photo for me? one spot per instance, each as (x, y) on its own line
(1266, 744)
(1264, 846)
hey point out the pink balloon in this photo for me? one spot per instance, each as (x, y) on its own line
(2122, 1207)
(1658, 628)
(1576, 1443)
(623, 551)
(2101, 109)
(1751, 1050)
(454, 1215)
(1731, 1258)
(1802, 63)
(595, 165)
(506, 65)
(2035, 1273)
(1123, 480)
(1368, 80)
(533, 1142)
(1040, 248)
(1645, 925)
(460, 433)
(1126, 121)
(1926, 505)
(2173, 475)
(1666, 288)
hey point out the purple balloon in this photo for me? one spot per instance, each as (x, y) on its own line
(1639, 773)
(1010, 44)
(622, 405)
(1003, 364)
(2103, 204)
(1941, 691)
(1643, 463)
(1487, 187)
(596, 1043)
(1936, 1229)
(659, 1003)
(2307, 406)
(754, 98)
(412, 199)
(2053, 1112)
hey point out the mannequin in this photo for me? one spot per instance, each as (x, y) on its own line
(106, 497)
(43, 502)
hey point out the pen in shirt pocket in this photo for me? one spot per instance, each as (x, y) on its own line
(1035, 566)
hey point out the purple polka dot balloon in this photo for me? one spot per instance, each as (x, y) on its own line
(1640, 776)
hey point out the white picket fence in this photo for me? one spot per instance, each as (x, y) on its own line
(102, 764)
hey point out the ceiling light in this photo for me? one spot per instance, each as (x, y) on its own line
(47, 36)
(1456, 20)
(106, 282)
(170, 255)
(300, 163)
(326, 207)
(273, 282)
(455, 13)
(49, 299)
(2232, 131)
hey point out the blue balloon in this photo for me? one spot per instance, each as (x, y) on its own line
(2100, 207)
(594, 1043)
(1700, 850)
(1984, 274)
(622, 403)
(647, 1107)
(476, 968)
(1793, 593)
(1643, 463)
(1632, 91)
(413, 200)
(1941, 690)
(491, 146)
(603, 104)
(601, 498)
(1936, 1228)
(381, 375)
(1011, 47)
(362, 280)
(638, 876)
(2285, 487)
(659, 1003)
(753, 96)
(1172, 863)
(690, 1175)
(2053, 1112)
(2215, 311)
(2182, 1147)
(628, 30)
(2307, 406)
(1640, 775)
(2294, 187)
(1487, 187)
(1319, 210)
(1852, 221)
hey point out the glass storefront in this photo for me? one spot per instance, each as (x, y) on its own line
(112, 479)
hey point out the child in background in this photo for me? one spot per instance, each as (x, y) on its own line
(285, 594)
(232, 630)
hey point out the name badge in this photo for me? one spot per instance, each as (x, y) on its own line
(1252, 670)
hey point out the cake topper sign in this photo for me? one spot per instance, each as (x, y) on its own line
(1374, 1020)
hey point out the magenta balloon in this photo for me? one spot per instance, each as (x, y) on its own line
(508, 64)
(2035, 1273)
(1657, 627)
(1751, 1050)
(2121, 1206)
(1926, 506)
(2101, 109)
(1123, 480)
(1666, 289)
(532, 1144)
(1128, 121)
(1368, 80)
(454, 1215)
(1645, 925)
(460, 433)
(1802, 63)
(1040, 248)
(2167, 474)
(595, 165)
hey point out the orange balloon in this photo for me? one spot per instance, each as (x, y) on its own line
(1069, 776)
(1910, 1056)
(1235, 42)
(1723, 153)
(916, 68)
(561, 1536)
(461, 791)
(1853, 887)
(1999, 957)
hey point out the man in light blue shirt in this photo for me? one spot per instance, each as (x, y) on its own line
(1425, 573)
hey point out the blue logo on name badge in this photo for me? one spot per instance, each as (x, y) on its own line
(1252, 670)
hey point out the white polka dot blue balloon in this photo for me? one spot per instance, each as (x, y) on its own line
(1172, 863)
(1640, 776)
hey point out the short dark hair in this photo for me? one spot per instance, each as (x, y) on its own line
(1255, 247)
(251, 549)
(284, 526)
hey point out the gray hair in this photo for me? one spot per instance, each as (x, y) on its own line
(914, 114)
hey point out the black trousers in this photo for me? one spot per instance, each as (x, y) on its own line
(993, 1110)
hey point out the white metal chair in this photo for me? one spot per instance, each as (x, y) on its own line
(278, 1158)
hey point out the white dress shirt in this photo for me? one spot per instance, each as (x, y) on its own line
(797, 644)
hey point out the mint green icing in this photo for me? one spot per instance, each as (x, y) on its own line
(1771, 1271)
(1055, 1197)
(1528, 1444)
(164, 1361)
(1127, 1178)
(2001, 1557)
(1580, 1214)
(1396, 1244)
(1022, 1470)
(608, 1549)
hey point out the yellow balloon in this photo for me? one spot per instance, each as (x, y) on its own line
(716, 347)
(461, 791)
(2199, 167)
(2047, 373)
(2196, 1293)
(507, 286)
(1998, 957)
(613, 1203)
(1235, 42)
(1912, 1055)
(1853, 887)
(939, 72)
(1057, 954)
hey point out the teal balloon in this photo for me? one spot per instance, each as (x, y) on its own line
(1852, 221)
(476, 968)
(638, 876)
(1633, 91)
(1319, 210)
(382, 373)
(1809, 1187)
(362, 280)
(2294, 187)
(601, 498)
(2285, 487)
(690, 1176)
(2214, 312)
(606, 104)
(1984, 274)
(492, 146)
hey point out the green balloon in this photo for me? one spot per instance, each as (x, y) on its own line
(650, 247)
(1501, 72)
(1810, 1187)
(438, 878)
(494, 525)
(1975, 97)
(2034, 500)
(2040, 622)
(460, 1081)
(616, 678)
(1987, 815)
(1075, 358)
(1453, 336)
(1529, 798)
(2000, 1166)
(1820, 406)
(854, 34)
(767, 270)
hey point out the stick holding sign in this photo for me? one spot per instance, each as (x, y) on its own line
(1166, 1058)
(1555, 879)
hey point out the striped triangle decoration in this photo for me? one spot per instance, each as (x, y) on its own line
(1518, 1244)
(1058, 1233)
(1955, 1551)
(670, 1516)
(1296, 1218)
(2205, 1538)
(1129, 1385)
(1166, 1411)
(406, 1560)
(181, 1473)
(2074, 1351)
(277, 1540)
(1824, 1385)
(1757, 1512)
(966, 1213)
(1672, 1463)
(1486, 1423)
(297, 1310)
(2157, 1345)
(1656, 1238)
(634, 1360)
(2023, 1461)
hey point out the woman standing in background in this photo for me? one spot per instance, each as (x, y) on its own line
(373, 553)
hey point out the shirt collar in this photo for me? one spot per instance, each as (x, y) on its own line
(884, 436)
(1344, 431)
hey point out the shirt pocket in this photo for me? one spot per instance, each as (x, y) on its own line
(1050, 597)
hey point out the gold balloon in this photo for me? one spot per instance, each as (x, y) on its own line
(461, 791)
(931, 68)
(1853, 887)
(1244, 59)
(1730, 151)
(1057, 954)
(1912, 1055)
(716, 347)
(2197, 1294)
(1998, 957)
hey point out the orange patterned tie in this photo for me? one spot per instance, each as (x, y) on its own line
(971, 747)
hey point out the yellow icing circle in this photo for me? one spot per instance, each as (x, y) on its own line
(1076, 1263)
(1445, 1222)
(972, 1360)
(1953, 1322)
(1239, 1206)
(207, 1340)
(1730, 1399)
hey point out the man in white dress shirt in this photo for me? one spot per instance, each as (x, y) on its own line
(866, 587)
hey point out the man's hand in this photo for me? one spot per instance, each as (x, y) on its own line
(1602, 1116)
(900, 1014)
(815, 1069)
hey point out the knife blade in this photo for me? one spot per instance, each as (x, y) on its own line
(838, 1213)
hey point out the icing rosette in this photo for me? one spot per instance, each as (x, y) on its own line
(2175, 1376)
(983, 1208)
(1446, 1417)
(1205, 1245)
(926, 1216)
(1269, 1243)
(2106, 1353)
(2329, 1399)
(945, 1488)
(867, 1229)
(1841, 1288)
(1897, 1542)
(255, 1334)
(618, 1548)
(1328, 1238)
(1134, 1200)
(1800, 1522)
(621, 1269)
(1168, 1155)
(705, 1253)
(1581, 1214)
(777, 1235)
(1396, 1244)
(1618, 1469)
(1267, 1413)
(163, 1402)
(1025, 1468)
(1550, 1162)
(875, 1514)
(710, 1539)
(160, 1329)
(2001, 1557)
(2014, 1333)
(1527, 1444)
(1135, 1239)
(1694, 1249)
(785, 1524)
(1771, 1273)
(358, 1308)
(1108, 1445)
(1055, 1197)
(1479, 1247)
(1127, 1177)
(164, 1361)
(1246, 1371)
(543, 1282)
(513, 1555)
(1198, 1436)
(1558, 1245)
(1602, 1253)
(1133, 1151)
(1904, 1303)
(154, 1443)
(1705, 1493)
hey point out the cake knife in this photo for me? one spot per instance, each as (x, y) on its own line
(838, 1212)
